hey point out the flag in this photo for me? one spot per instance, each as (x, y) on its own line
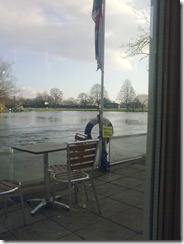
(97, 16)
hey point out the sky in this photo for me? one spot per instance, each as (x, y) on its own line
(51, 44)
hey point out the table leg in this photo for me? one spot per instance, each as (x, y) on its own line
(40, 205)
(46, 200)
(46, 176)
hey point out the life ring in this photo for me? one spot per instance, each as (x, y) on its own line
(94, 122)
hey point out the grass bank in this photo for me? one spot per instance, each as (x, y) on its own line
(73, 109)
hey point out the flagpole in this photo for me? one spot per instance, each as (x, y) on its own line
(101, 164)
(98, 15)
(102, 69)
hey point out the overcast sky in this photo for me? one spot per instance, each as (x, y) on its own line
(51, 43)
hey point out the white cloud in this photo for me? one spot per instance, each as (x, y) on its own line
(65, 28)
(59, 31)
(29, 92)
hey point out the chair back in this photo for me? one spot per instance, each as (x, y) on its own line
(82, 154)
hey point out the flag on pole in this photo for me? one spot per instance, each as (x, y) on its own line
(97, 16)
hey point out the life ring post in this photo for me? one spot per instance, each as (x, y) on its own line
(104, 164)
(107, 133)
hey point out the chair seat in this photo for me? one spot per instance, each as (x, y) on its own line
(8, 186)
(57, 168)
(75, 175)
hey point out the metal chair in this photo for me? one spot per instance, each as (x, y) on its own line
(81, 157)
(9, 187)
(52, 169)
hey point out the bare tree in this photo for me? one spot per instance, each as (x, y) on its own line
(143, 100)
(7, 81)
(57, 96)
(83, 99)
(95, 94)
(140, 44)
(42, 98)
(71, 102)
(126, 94)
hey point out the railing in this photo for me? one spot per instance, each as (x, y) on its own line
(29, 168)
(123, 148)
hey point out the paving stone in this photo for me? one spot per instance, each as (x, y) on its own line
(138, 237)
(126, 171)
(70, 237)
(76, 219)
(128, 182)
(13, 220)
(140, 175)
(108, 177)
(105, 231)
(109, 207)
(140, 187)
(108, 189)
(130, 197)
(2, 229)
(41, 231)
(132, 219)
(139, 165)
(7, 236)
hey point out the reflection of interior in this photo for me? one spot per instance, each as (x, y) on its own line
(162, 183)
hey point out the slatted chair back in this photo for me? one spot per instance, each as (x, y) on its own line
(82, 155)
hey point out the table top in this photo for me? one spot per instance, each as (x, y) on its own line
(41, 148)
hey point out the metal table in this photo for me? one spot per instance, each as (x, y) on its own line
(45, 149)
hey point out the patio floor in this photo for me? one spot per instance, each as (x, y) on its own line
(121, 198)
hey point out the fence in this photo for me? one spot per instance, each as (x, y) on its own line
(29, 167)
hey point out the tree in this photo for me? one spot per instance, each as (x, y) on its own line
(106, 101)
(83, 99)
(126, 94)
(140, 44)
(95, 94)
(39, 100)
(143, 100)
(57, 96)
(70, 102)
(7, 81)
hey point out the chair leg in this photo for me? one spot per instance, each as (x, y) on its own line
(22, 203)
(94, 190)
(85, 191)
(5, 205)
(76, 190)
(70, 194)
(53, 191)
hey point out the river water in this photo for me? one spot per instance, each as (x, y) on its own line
(61, 126)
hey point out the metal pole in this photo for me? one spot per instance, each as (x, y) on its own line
(102, 165)
(102, 70)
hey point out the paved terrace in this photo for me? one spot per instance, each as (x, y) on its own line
(121, 195)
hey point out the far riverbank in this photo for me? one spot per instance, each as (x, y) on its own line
(21, 109)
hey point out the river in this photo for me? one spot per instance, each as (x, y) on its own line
(61, 126)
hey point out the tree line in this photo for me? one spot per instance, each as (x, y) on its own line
(127, 97)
